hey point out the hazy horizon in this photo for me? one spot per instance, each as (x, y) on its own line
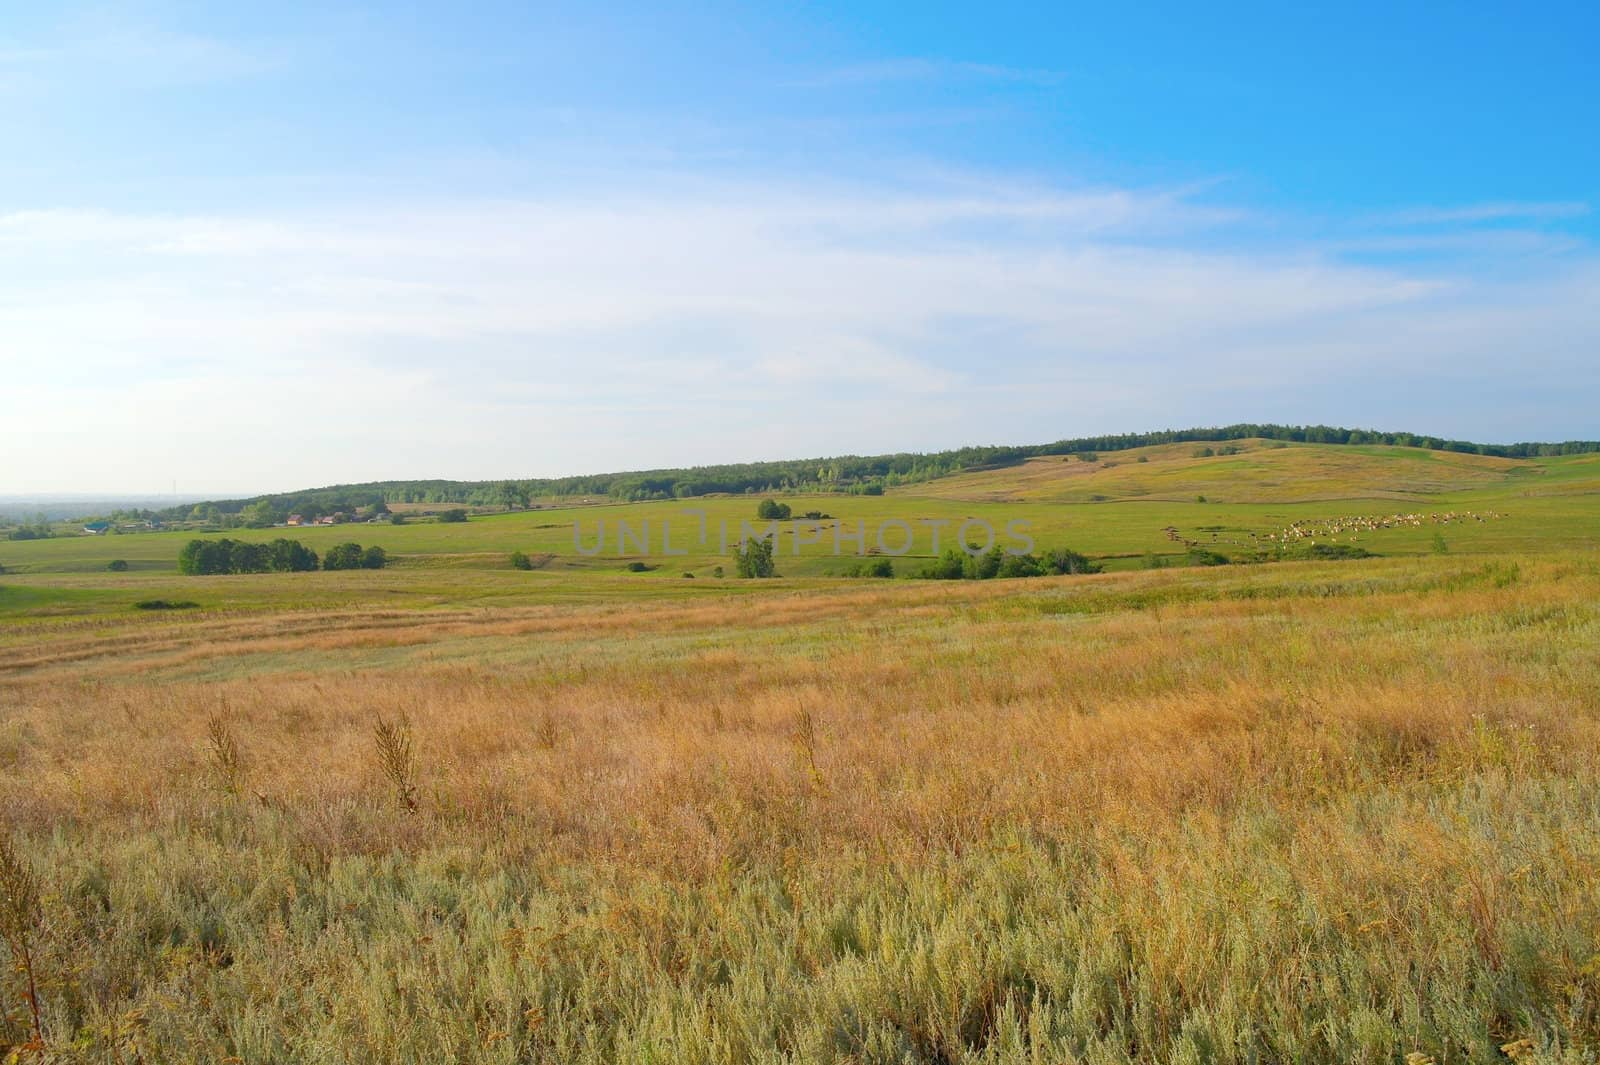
(259, 251)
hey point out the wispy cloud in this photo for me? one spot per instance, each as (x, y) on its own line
(915, 69)
(559, 333)
(115, 51)
(1484, 212)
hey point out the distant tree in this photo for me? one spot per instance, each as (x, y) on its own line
(637, 567)
(453, 516)
(117, 565)
(260, 515)
(754, 559)
(880, 567)
(1019, 566)
(204, 558)
(987, 565)
(1202, 452)
(520, 560)
(1063, 560)
(771, 509)
(343, 556)
(1088, 456)
(249, 558)
(950, 566)
(374, 558)
(291, 556)
(716, 571)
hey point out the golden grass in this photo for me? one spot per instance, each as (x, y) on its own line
(1259, 473)
(1309, 813)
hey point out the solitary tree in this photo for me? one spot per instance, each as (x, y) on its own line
(754, 559)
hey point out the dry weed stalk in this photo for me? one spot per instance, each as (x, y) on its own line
(227, 762)
(397, 757)
(20, 917)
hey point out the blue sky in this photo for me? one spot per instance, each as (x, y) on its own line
(266, 247)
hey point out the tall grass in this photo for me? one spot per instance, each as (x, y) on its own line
(1311, 814)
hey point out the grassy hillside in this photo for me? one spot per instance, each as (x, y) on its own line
(456, 811)
(1261, 472)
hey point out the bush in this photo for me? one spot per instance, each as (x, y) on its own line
(951, 566)
(754, 559)
(1202, 453)
(165, 604)
(771, 509)
(1331, 552)
(1088, 456)
(1143, 458)
(453, 517)
(880, 567)
(1019, 566)
(637, 567)
(374, 558)
(117, 565)
(716, 571)
(519, 560)
(1061, 560)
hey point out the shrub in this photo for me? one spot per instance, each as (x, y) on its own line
(165, 604)
(454, 516)
(520, 560)
(374, 558)
(1019, 566)
(118, 565)
(1143, 458)
(771, 509)
(1088, 456)
(637, 567)
(880, 567)
(1202, 453)
(1061, 560)
(950, 566)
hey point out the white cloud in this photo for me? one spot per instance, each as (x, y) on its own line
(688, 322)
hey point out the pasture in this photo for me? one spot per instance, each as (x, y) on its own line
(453, 811)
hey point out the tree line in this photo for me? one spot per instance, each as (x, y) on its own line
(212, 557)
(850, 474)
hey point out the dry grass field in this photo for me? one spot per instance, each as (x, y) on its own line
(1338, 812)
